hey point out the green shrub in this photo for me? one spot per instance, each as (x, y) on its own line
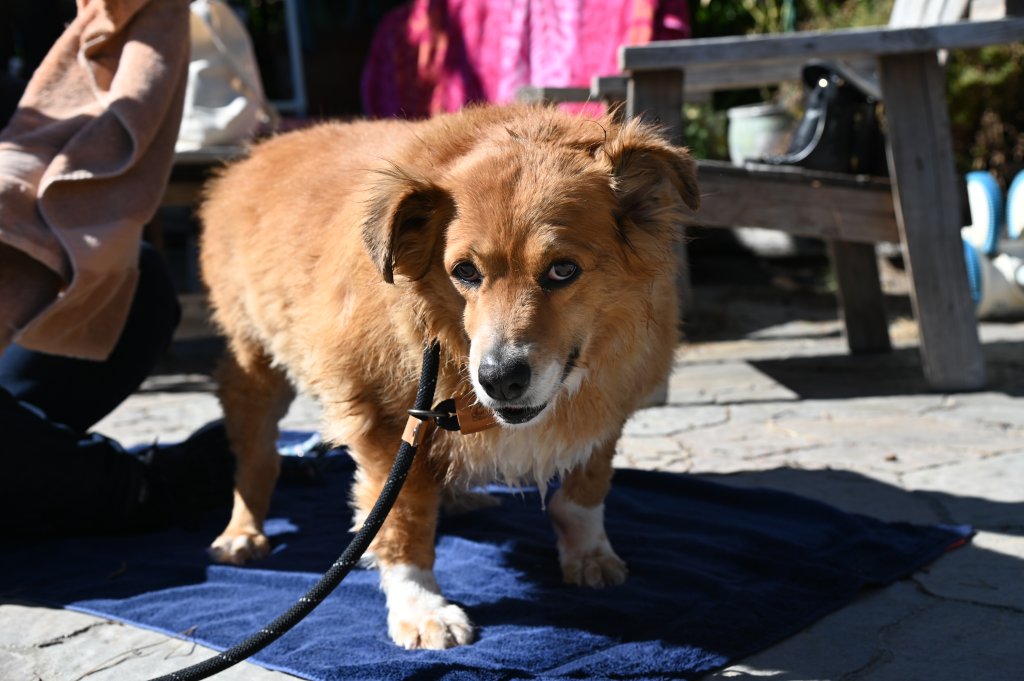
(986, 91)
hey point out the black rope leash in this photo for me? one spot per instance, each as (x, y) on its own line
(348, 559)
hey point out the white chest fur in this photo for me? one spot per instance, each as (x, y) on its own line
(518, 456)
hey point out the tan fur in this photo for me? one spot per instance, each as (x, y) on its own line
(329, 256)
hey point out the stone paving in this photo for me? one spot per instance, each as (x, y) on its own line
(768, 399)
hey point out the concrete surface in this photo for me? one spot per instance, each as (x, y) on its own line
(763, 394)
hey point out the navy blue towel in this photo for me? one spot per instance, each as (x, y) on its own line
(716, 573)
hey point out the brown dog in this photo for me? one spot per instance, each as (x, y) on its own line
(537, 247)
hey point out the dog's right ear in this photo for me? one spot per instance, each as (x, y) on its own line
(405, 217)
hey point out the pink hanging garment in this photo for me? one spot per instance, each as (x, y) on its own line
(430, 56)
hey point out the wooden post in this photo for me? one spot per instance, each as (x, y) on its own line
(657, 97)
(928, 215)
(861, 301)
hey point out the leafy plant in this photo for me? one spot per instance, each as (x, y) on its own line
(770, 16)
(819, 15)
(986, 88)
(705, 131)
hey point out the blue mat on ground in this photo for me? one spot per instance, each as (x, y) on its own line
(716, 573)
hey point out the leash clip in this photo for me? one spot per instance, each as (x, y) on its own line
(457, 414)
(422, 422)
(443, 415)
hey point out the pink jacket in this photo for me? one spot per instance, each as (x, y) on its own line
(430, 56)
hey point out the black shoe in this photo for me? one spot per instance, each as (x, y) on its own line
(185, 479)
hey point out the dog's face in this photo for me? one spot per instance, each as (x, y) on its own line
(525, 251)
(541, 239)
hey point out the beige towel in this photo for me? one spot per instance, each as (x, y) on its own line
(85, 160)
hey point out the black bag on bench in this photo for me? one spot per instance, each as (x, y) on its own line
(840, 130)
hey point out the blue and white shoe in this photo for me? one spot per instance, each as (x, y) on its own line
(985, 199)
(997, 284)
(1015, 209)
(973, 261)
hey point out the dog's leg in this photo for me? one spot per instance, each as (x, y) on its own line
(254, 396)
(577, 513)
(419, 616)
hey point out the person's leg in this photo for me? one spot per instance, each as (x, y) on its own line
(56, 479)
(59, 481)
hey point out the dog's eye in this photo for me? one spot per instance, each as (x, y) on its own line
(562, 272)
(467, 273)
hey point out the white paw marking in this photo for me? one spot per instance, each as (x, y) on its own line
(418, 615)
(239, 548)
(584, 552)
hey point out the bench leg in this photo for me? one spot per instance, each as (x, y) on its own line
(861, 301)
(925, 192)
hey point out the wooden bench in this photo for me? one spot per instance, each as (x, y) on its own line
(924, 198)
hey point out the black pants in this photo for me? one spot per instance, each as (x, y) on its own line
(55, 476)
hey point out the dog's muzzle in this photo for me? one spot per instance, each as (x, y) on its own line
(516, 390)
(505, 378)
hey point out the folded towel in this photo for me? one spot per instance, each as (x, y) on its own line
(85, 159)
(716, 573)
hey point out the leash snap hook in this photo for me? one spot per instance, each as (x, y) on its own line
(443, 415)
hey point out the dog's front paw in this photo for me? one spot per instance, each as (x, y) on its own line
(419, 617)
(596, 569)
(237, 548)
(416, 627)
(586, 556)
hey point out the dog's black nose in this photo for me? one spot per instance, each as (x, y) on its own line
(504, 378)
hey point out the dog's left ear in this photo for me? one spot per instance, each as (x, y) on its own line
(406, 215)
(650, 175)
